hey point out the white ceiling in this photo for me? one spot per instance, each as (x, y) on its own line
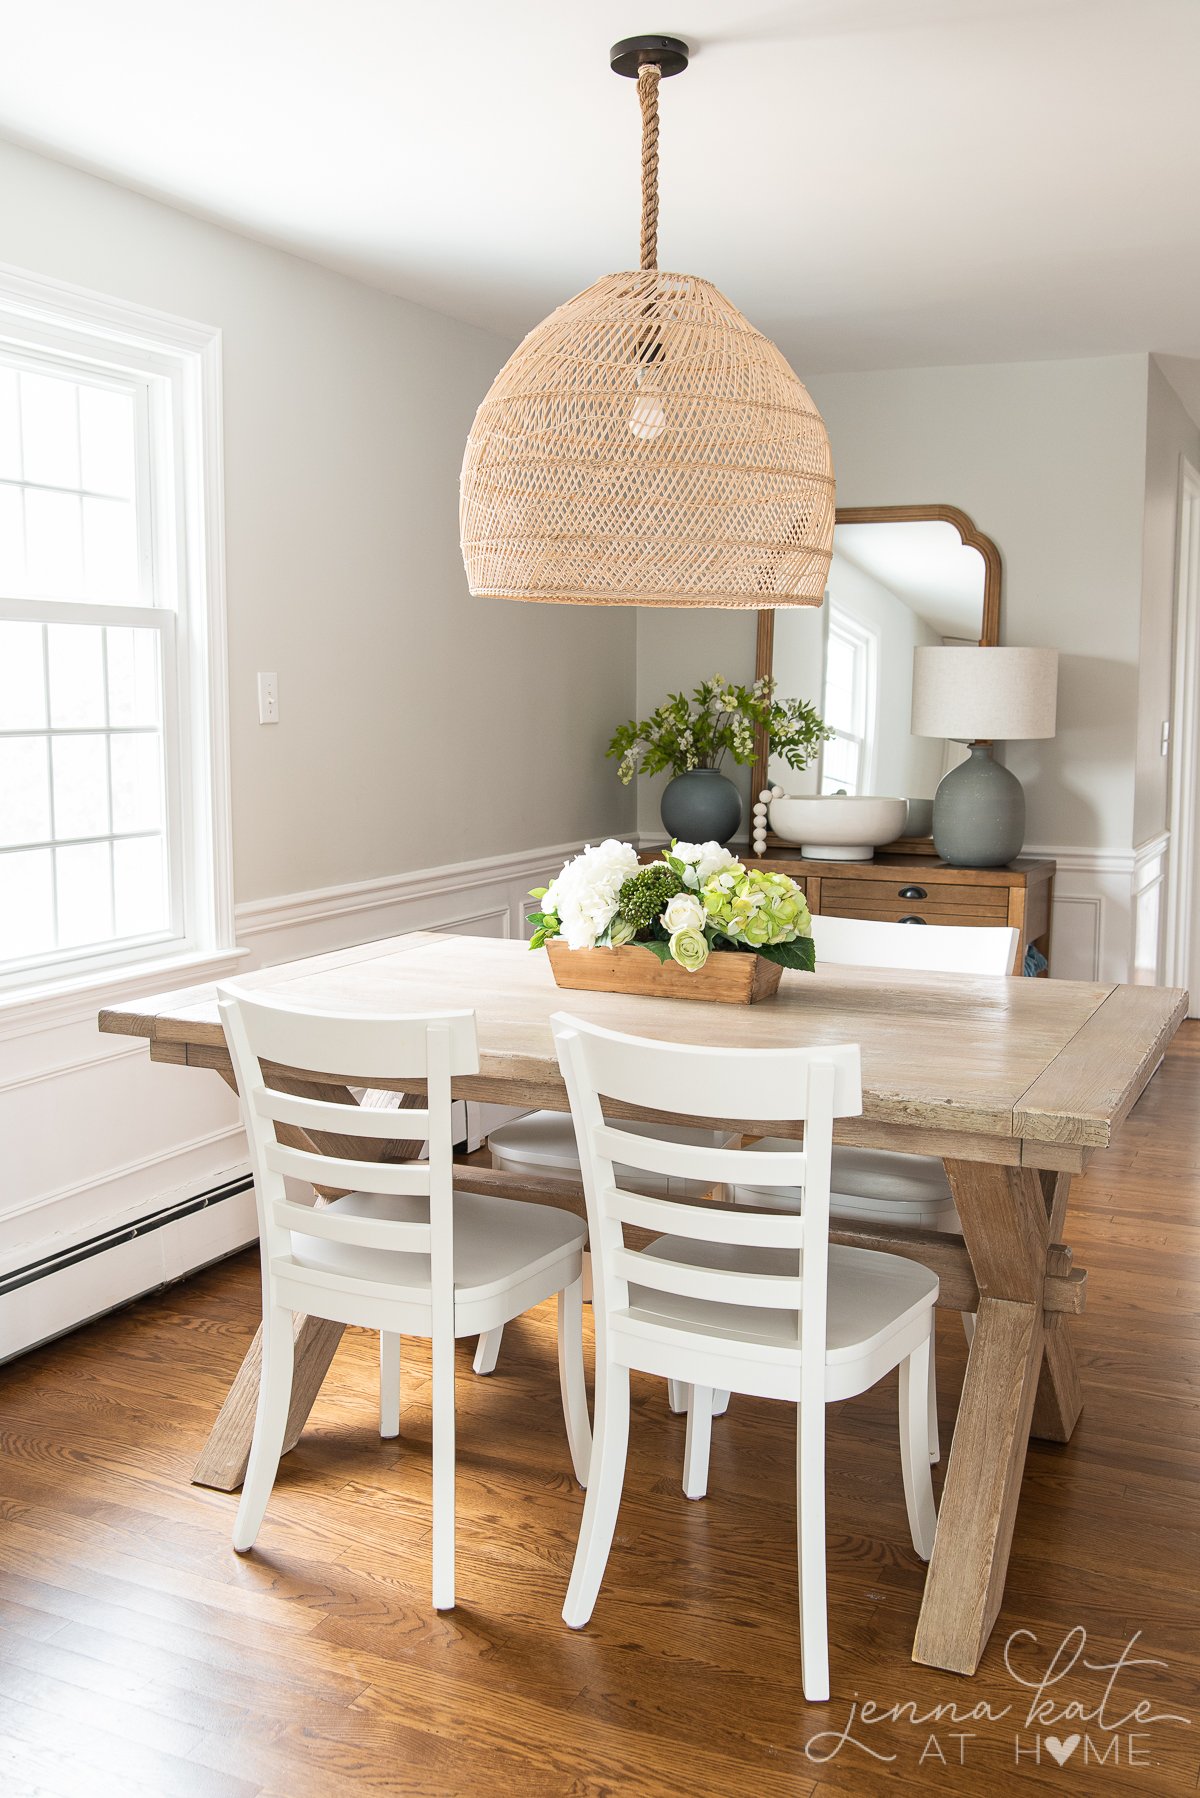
(927, 565)
(875, 182)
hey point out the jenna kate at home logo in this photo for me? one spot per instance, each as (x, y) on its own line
(1049, 1725)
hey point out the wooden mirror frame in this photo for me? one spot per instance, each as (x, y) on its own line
(989, 635)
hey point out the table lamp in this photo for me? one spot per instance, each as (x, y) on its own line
(977, 696)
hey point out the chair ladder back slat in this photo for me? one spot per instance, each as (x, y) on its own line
(719, 1286)
(403, 1177)
(719, 1223)
(408, 1236)
(340, 1120)
(698, 1161)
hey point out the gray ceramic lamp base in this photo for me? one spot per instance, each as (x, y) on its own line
(979, 813)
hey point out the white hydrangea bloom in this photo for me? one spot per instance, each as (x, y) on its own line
(703, 861)
(584, 897)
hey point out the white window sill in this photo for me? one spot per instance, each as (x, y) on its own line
(53, 1005)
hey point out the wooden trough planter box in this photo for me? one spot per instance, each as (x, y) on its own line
(728, 977)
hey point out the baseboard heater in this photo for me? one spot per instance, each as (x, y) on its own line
(121, 1234)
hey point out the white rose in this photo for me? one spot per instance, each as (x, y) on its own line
(683, 912)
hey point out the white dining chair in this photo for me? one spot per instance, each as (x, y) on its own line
(870, 1184)
(400, 1251)
(880, 1185)
(755, 1302)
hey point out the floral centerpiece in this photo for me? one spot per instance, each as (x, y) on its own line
(695, 902)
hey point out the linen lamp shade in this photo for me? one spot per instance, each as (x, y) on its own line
(997, 694)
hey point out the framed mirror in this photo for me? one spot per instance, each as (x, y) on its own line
(901, 576)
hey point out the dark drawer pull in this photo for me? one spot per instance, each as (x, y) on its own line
(911, 920)
(912, 893)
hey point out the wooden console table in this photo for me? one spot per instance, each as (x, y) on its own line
(921, 890)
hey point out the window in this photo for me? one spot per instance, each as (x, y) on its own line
(847, 759)
(111, 730)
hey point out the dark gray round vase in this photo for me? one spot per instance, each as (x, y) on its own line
(701, 807)
(979, 813)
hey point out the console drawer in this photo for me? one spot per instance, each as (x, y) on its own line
(938, 902)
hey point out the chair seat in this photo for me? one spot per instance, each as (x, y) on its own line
(546, 1140)
(498, 1244)
(873, 1184)
(871, 1297)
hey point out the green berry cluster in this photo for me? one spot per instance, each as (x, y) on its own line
(643, 896)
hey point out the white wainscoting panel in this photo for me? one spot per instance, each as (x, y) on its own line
(97, 1136)
(1099, 909)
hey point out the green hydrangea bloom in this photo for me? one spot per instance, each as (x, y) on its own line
(747, 905)
(643, 896)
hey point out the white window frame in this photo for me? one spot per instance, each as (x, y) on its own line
(179, 364)
(864, 646)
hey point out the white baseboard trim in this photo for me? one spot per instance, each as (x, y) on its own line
(69, 1285)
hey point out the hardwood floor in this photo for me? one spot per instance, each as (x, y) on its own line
(141, 1658)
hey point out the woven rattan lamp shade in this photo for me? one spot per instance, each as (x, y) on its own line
(645, 445)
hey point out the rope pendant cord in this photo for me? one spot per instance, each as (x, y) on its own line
(648, 79)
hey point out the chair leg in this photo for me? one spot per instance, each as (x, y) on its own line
(697, 1442)
(389, 1384)
(442, 1354)
(571, 1378)
(605, 1479)
(270, 1425)
(935, 1441)
(677, 1396)
(487, 1349)
(968, 1323)
(914, 1449)
(810, 1549)
(720, 1402)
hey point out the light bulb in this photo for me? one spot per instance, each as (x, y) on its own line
(647, 420)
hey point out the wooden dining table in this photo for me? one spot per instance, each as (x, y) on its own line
(1014, 1083)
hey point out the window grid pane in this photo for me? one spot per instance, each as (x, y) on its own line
(83, 848)
(68, 504)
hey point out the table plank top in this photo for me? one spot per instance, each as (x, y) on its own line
(1052, 1061)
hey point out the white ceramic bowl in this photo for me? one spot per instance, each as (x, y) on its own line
(833, 827)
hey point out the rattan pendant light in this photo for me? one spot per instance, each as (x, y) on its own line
(645, 445)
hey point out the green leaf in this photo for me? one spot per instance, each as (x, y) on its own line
(538, 892)
(662, 950)
(800, 953)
